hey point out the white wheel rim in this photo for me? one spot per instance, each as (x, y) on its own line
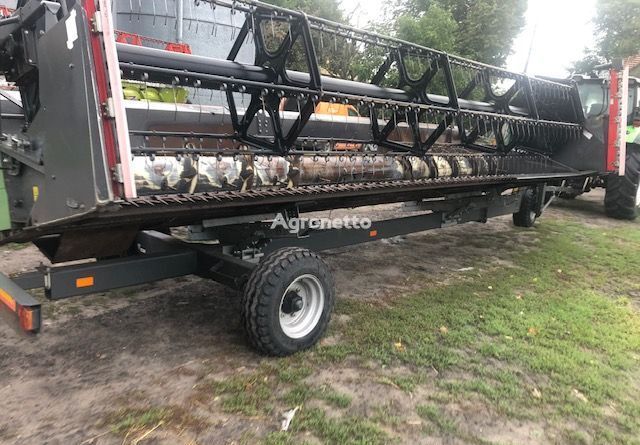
(301, 323)
(638, 196)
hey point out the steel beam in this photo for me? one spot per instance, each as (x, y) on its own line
(101, 276)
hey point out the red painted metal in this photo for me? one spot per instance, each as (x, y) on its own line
(102, 83)
(140, 40)
(131, 39)
(6, 12)
(614, 124)
(178, 48)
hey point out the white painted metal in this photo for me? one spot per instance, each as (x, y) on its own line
(119, 112)
(624, 107)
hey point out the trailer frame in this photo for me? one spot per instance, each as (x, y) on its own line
(228, 250)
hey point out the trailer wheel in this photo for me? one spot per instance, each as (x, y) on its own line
(527, 215)
(287, 302)
(622, 197)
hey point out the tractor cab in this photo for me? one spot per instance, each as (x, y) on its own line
(611, 107)
(594, 96)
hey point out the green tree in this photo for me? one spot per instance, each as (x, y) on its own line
(617, 26)
(482, 30)
(436, 28)
(335, 55)
(326, 9)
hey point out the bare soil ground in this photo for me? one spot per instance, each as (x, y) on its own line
(154, 345)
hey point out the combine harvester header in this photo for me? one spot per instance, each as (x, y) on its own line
(219, 115)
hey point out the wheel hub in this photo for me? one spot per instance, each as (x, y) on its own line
(292, 303)
(301, 306)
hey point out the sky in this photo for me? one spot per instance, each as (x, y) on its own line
(563, 29)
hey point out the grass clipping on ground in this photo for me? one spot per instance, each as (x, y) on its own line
(553, 341)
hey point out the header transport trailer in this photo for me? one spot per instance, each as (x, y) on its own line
(139, 117)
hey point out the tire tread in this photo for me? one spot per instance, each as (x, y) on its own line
(523, 217)
(259, 292)
(620, 197)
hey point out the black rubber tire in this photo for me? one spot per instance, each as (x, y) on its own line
(526, 216)
(263, 295)
(621, 191)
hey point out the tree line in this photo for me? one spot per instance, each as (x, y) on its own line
(481, 30)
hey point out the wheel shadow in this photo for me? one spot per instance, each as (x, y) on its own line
(581, 205)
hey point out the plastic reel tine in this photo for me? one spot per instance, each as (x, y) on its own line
(273, 26)
(190, 13)
(250, 34)
(166, 10)
(130, 10)
(196, 86)
(145, 78)
(197, 20)
(139, 9)
(232, 14)
(526, 134)
(175, 83)
(346, 118)
(153, 5)
(213, 20)
(222, 102)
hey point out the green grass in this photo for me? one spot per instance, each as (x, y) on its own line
(556, 337)
(128, 421)
(434, 414)
(553, 340)
(347, 430)
(303, 392)
(249, 395)
(137, 419)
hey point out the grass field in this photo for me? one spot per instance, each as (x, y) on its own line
(541, 348)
